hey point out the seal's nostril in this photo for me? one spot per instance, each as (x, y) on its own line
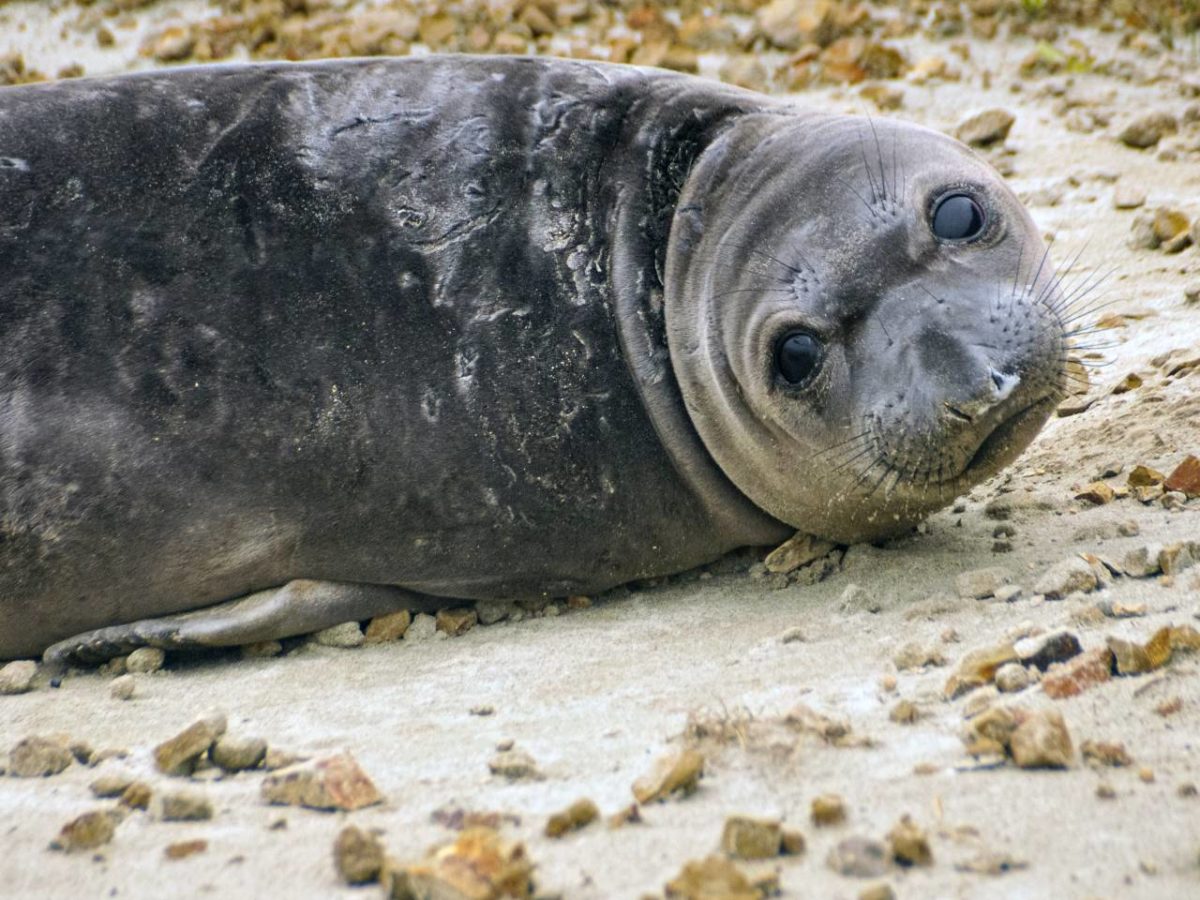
(1005, 384)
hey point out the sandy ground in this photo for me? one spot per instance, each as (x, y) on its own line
(595, 695)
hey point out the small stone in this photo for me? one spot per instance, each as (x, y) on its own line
(86, 832)
(1068, 576)
(828, 809)
(137, 796)
(991, 126)
(1146, 775)
(1128, 196)
(455, 622)
(714, 878)
(1041, 741)
(238, 754)
(578, 815)
(1147, 130)
(913, 655)
(856, 599)
(1184, 478)
(1012, 678)
(881, 891)
(1044, 650)
(978, 668)
(1136, 659)
(677, 774)
(1105, 791)
(1144, 476)
(357, 856)
(987, 863)
(1173, 500)
(478, 865)
(1097, 493)
(17, 676)
(792, 842)
(905, 713)
(793, 635)
(331, 782)
(515, 765)
(859, 857)
(909, 844)
(423, 628)
(111, 784)
(1009, 593)
(1076, 676)
(798, 550)
(980, 583)
(122, 687)
(387, 628)
(1105, 753)
(1142, 562)
(39, 757)
(145, 660)
(183, 806)
(1187, 790)
(179, 755)
(747, 838)
(1175, 558)
(184, 849)
(345, 636)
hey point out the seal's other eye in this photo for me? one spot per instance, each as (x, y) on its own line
(958, 218)
(797, 357)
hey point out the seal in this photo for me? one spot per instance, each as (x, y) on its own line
(286, 345)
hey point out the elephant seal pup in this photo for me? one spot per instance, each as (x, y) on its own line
(287, 345)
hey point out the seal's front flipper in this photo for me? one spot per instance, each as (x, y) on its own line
(299, 607)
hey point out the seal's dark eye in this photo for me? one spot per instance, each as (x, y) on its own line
(958, 218)
(797, 357)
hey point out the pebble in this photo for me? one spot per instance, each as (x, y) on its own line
(909, 844)
(1086, 670)
(39, 757)
(1128, 196)
(578, 815)
(122, 687)
(515, 765)
(1133, 658)
(1144, 476)
(182, 806)
(881, 891)
(234, 754)
(828, 809)
(980, 583)
(357, 856)
(978, 668)
(913, 655)
(1044, 650)
(1068, 576)
(184, 849)
(1097, 493)
(111, 784)
(137, 795)
(17, 676)
(179, 755)
(1105, 753)
(905, 712)
(145, 660)
(86, 832)
(330, 782)
(674, 775)
(793, 635)
(744, 837)
(1012, 678)
(1184, 478)
(711, 878)
(1041, 741)
(798, 550)
(1175, 558)
(991, 126)
(345, 636)
(1142, 562)
(423, 628)
(1008, 593)
(859, 857)
(1105, 791)
(455, 622)
(388, 628)
(1147, 130)
(857, 599)
(479, 863)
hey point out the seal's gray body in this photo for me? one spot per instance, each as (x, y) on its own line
(352, 322)
(341, 337)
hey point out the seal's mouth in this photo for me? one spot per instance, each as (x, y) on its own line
(1007, 439)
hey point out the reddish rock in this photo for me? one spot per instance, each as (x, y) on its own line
(333, 782)
(1185, 477)
(1077, 675)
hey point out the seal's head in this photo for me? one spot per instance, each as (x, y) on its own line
(861, 319)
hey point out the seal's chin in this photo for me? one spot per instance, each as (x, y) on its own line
(1006, 441)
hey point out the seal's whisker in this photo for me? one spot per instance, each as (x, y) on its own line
(941, 300)
(1089, 284)
(857, 456)
(848, 440)
(1017, 275)
(862, 146)
(1037, 274)
(1050, 287)
(854, 191)
(879, 157)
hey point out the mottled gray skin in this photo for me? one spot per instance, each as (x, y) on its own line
(375, 329)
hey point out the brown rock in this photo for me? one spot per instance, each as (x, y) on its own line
(1136, 659)
(1041, 741)
(238, 754)
(86, 832)
(909, 844)
(331, 782)
(1011, 678)
(137, 796)
(828, 809)
(1174, 558)
(978, 668)
(798, 550)
(913, 655)
(515, 765)
(578, 815)
(111, 784)
(456, 621)
(388, 628)
(1185, 477)
(792, 842)
(357, 856)
(17, 676)
(1148, 130)
(1144, 476)
(747, 838)
(1104, 753)
(179, 755)
(714, 878)
(884, 96)
(145, 660)
(1097, 493)
(184, 849)
(985, 128)
(677, 774)
(183, 806)
(905, 712)
(38, 757)
(478, 865)
(1084, 671)
(881, 891)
